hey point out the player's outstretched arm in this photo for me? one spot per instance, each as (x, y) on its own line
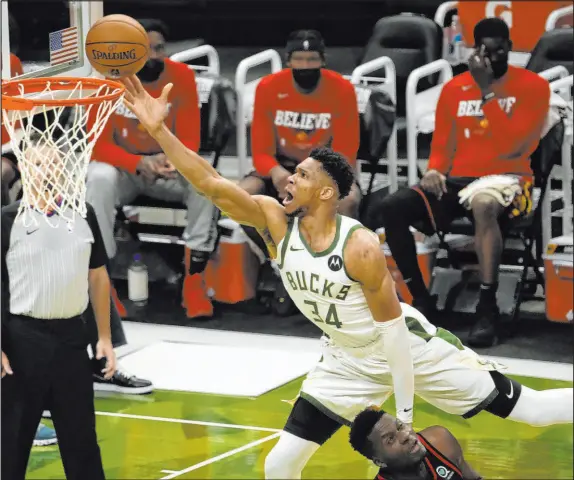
(365, 263)
(226, 195)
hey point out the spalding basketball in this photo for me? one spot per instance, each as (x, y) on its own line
(117, 46)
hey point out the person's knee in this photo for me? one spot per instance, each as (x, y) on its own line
(396, 207)
(485, 208)
(349, 206)
(8, 172)
(101, 179)
(252, 185)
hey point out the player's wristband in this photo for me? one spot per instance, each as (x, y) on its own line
(488, 97)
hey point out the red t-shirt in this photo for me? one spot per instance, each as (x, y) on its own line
(289, 123)
(471, 140)
(124, 141)
(526, 19)
(15, 70)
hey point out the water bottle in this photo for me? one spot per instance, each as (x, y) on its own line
(138, 282)
(455, 49)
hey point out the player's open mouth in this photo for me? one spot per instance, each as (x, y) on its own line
(288, 198)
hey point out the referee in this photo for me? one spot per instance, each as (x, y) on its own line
(49, 274)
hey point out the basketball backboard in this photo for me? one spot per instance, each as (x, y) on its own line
(49, 37)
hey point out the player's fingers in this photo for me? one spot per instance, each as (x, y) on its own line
(165, 92)
(6, 368)
(128, 96)
(138, 87)
(129, 85)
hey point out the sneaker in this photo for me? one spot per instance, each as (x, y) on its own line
(45, 436)
(484, 333)
(46, 414)
(121, 382)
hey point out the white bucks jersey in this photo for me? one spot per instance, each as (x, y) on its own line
(319, 285)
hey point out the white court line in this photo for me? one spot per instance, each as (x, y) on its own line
(222, 456)
(191, 422)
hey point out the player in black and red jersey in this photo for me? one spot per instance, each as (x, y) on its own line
(433, 453)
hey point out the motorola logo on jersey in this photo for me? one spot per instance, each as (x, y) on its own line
(444, 472)
(303, 121)
(335, 263)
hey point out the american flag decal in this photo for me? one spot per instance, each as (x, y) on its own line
(64, 46)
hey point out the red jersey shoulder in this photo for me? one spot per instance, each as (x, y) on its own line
(277, 80)
(525, 78)
(178, 72)
(334, 78)
(459, 81)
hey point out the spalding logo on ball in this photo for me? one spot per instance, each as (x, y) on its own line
(117, 46)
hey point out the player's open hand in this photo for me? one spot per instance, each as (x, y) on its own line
(434, 182)
(104, 349)
(150, 111)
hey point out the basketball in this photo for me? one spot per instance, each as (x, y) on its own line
(117, 46)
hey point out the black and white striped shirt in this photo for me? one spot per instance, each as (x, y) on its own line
(45, 268)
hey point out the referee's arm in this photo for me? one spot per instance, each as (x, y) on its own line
(99, 289)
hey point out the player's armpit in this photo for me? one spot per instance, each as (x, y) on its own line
(445, 442)
(366, 264)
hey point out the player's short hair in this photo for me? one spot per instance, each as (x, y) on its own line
(361, 429)
(337, 167)
(492, 27)
(305, 40)
(154, 25)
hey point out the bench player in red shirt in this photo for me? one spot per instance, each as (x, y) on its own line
(127, 162)
(296, 110)
(402, 454)
(488, 122)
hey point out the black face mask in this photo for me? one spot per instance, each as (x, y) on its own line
(307, 78)
(151, 70)
(499, 68)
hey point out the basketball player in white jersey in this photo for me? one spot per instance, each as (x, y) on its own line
(336, 274)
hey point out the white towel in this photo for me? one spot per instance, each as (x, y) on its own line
(504, 188)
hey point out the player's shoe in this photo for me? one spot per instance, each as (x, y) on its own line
(484, 333)
(45, 436)
(195, 299)
(122, 382)
(46, 414)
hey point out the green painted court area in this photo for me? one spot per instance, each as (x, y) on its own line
(183, 435)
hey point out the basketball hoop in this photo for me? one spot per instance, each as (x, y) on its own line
(53, 162)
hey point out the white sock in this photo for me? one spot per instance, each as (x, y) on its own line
(541, 408)
(288, 457)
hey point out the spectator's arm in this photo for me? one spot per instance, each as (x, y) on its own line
(108, 151)
(444, 136)
(263, 147)
(187, 117)
(346, 124)
(512, 131)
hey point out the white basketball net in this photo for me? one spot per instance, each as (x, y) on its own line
(53, 162)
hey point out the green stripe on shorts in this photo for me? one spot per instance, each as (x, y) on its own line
(415, 327)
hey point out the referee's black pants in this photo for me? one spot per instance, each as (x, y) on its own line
(52, 371)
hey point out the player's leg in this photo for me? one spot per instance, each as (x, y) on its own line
(108, 187)
(72, 403)
(332, 395)
(9, 175)
(349, 206)
(458, 381)
(254, 184)
(30, 350)
(307, 428)
(488, 241)
(413, 210)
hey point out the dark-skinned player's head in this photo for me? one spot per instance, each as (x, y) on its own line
(493, 35)
(324, 178)
(157, 33)
(384, 440)
(306, 56)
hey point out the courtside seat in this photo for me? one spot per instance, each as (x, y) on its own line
(555, 48)
(410, 41)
